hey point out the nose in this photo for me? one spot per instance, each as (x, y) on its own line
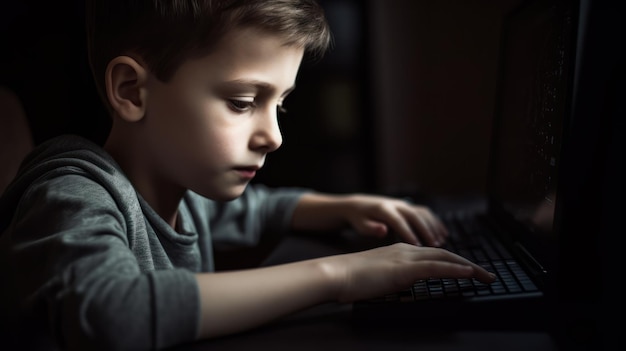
(267, 136)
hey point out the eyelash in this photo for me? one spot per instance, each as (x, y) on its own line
(241, 106)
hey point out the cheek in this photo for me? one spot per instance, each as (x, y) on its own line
(212, 136)
(178, 119)
(171, 126)
(219, 141)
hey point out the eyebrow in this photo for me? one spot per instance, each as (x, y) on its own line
(258, 85)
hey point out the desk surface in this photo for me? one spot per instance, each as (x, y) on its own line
(331, 327)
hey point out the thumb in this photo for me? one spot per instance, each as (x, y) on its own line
(371, 228)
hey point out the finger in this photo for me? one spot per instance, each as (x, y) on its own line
(419, 220)
(442, 255)
(438, 254)
(371, 228)
(435, 224)
(402, 228)
(483, 275)
(444, 269)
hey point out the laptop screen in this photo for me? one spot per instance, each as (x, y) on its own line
(536, 65)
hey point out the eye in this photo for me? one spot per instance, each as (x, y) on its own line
(241, 105)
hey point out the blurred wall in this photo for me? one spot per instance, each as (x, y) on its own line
(44, 61)
(433, 75)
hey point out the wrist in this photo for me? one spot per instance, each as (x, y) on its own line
(347, 208)
(331, 277)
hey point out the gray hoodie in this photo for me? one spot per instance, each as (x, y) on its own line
(86, 264)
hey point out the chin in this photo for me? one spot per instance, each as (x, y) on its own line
(226, 198)
(223, 195)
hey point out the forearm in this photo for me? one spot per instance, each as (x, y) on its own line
(236, 301)
(320, 212)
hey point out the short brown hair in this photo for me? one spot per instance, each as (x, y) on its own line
(164, 33)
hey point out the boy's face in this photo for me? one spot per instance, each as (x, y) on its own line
(211, 126)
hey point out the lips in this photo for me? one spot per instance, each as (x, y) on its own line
(248, 168)
(247, 171)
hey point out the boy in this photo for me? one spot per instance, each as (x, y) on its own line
(111, 248)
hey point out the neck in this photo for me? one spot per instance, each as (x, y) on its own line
(162, 195)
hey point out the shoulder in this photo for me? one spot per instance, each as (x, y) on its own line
(70, 155)
(68, 158)
(66, 195)
(72, 173)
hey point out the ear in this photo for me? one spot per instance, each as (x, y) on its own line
(125, 80)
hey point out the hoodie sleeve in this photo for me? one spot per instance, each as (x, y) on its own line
(69, 251)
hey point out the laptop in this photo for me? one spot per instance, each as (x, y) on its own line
(515, 233)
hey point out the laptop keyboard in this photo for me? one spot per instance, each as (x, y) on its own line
(469, 238)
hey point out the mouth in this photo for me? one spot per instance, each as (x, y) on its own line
(247, 172)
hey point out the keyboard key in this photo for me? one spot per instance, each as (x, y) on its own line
(475, 241)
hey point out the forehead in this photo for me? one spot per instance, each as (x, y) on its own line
(250, 54)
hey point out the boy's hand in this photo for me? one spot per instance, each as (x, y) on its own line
(378, 215)
(388, 269)
(370, 215)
